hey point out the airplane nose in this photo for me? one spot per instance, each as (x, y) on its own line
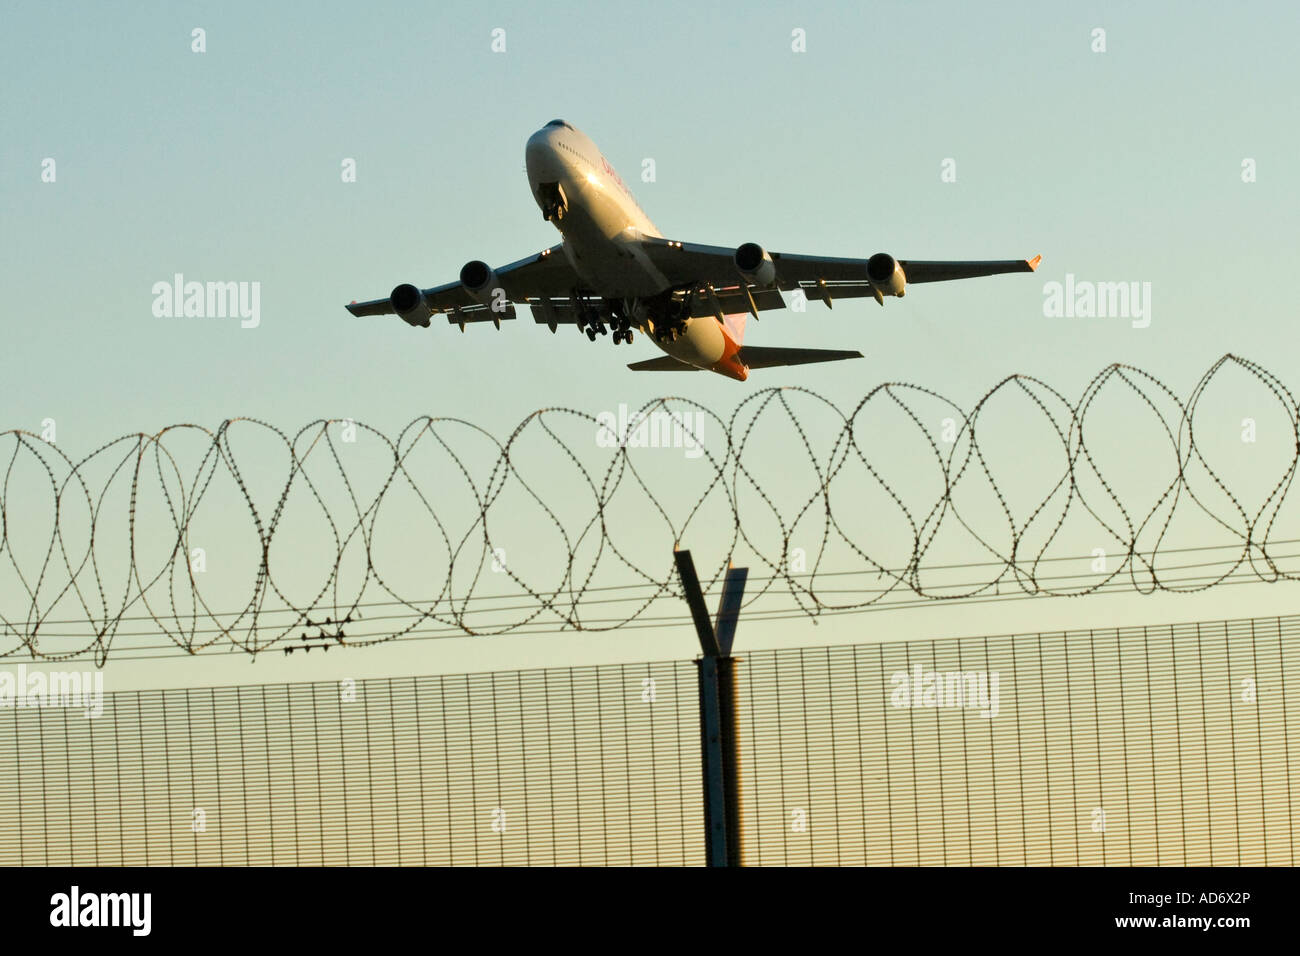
(539, 156)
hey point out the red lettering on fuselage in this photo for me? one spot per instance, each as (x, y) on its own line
(609, 171)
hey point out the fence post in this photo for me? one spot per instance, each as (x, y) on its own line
(718, 727)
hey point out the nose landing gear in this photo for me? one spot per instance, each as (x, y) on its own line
(554, 203)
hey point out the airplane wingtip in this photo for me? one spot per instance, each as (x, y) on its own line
(1033, 263)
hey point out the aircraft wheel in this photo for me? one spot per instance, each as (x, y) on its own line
(591, 335)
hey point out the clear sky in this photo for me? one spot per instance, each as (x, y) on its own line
(1123, 165)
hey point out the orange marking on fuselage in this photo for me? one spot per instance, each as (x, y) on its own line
(730, 364)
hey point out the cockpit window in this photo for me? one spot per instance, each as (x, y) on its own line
(559, 122)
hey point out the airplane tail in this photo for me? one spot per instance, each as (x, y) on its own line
(753, 356)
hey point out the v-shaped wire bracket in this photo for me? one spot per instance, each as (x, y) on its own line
(716, 640)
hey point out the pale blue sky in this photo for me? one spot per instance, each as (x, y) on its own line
(1115, 166)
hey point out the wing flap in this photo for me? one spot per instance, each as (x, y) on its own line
(479, 313)
(560, 311)
(732, 300)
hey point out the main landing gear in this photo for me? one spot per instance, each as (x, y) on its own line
(622, 329)
(664, 318)
(667, 333)
(591, 322)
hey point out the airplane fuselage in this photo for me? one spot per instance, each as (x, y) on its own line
(578, 190)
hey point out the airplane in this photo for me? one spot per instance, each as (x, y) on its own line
(614, 270)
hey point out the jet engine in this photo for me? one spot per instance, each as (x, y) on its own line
(755, 265)
(886, 275)
(480, 281)
(409, 303)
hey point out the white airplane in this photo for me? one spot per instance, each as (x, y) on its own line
(615, 270)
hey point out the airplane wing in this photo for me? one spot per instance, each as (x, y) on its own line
(704, 275)
(717, 286)
(545, 281)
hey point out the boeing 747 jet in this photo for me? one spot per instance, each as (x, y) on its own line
(613, 271)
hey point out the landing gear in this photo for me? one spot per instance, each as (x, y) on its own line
(589, 321)
(553, 201)
(592, 319)
(670, 316)
(622, 327)
(667, 333)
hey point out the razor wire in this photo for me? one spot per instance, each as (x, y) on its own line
(902, 498)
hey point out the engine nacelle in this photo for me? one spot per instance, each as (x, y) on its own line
(755, 265)
(480, 281)
(886, 275)
(409, 303)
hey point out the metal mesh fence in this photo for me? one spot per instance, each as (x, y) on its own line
(1172, 745)
(592, 765)
(1131, 746)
